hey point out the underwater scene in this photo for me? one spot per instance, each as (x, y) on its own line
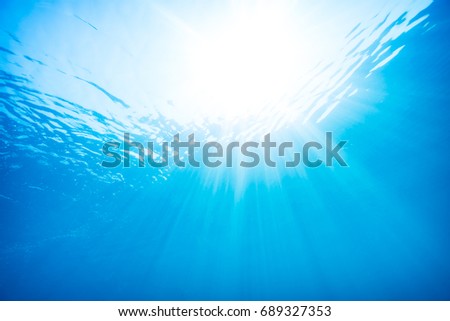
(139, 141)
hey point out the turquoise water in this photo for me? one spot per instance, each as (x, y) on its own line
(75, 75)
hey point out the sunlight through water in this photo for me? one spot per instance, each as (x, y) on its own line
(234, 70)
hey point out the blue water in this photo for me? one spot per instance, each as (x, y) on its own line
(75, 75)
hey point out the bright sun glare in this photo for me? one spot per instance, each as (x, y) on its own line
(247, 64)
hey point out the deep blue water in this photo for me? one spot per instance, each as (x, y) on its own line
(73, 76)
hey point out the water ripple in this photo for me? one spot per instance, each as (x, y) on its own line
(53, 106)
